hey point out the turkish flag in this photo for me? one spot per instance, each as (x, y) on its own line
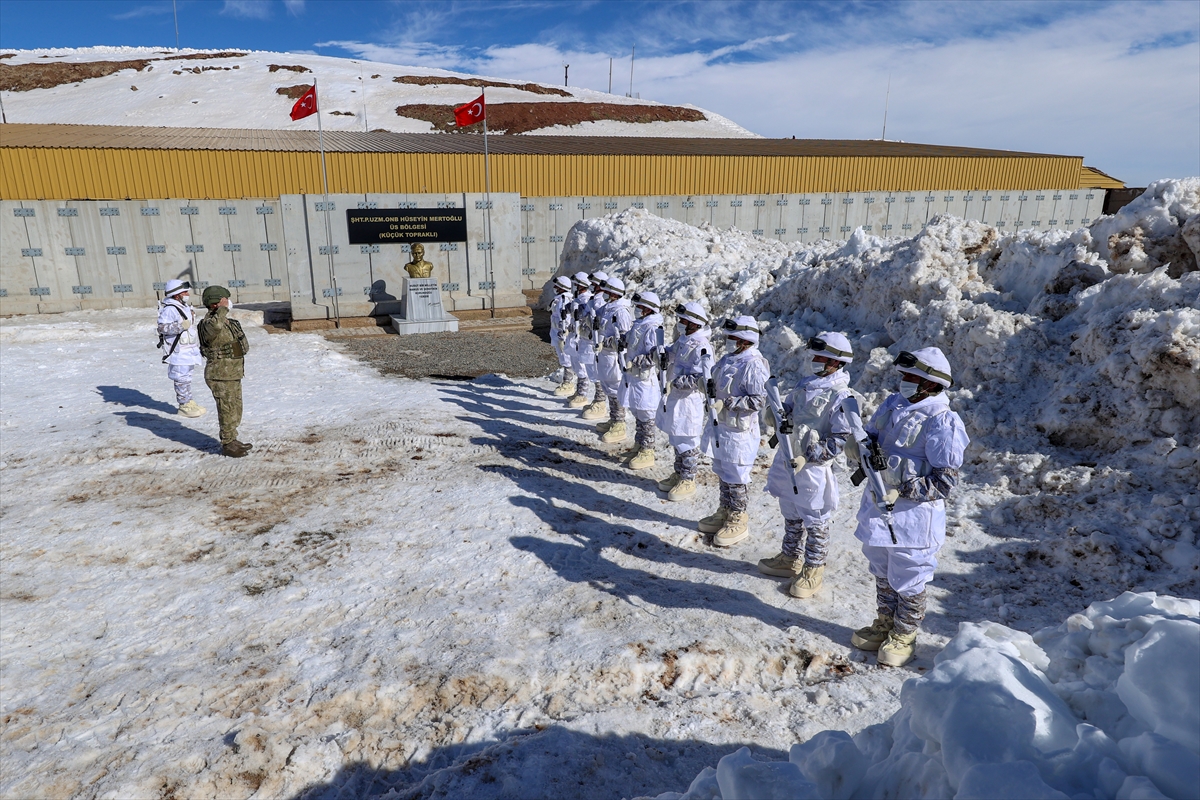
(306, 105)
(470, 113)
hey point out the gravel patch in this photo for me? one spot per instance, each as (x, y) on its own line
(457, 356)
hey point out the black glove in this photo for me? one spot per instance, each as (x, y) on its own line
(786, 427)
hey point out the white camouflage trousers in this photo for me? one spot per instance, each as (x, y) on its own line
(816, 543)
(181, 376)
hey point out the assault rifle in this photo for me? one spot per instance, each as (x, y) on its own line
(660, 349)
(710, 394)
(872, 463)
(780, 436)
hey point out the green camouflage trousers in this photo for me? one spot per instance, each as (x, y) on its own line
(228, 395)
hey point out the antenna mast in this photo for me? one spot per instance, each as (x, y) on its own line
(886, 97)
(632, 58)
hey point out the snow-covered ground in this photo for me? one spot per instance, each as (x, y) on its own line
(452, 589)
(240, 92)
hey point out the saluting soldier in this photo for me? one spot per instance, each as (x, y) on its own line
(559, 325)
(682, 417)
(615, 320)
(739, 383)
(223, 345)
(807, 490)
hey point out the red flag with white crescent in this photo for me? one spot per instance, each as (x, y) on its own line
(306, 105)
(470, 113)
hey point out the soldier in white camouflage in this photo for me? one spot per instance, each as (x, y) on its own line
(179, 343)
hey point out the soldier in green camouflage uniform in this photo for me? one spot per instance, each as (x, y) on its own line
(223, 345)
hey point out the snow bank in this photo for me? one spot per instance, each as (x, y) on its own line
(1078, 378)
(1105, 705)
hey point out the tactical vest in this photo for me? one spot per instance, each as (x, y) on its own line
(740, 421)
(814, 416)
(235, 349)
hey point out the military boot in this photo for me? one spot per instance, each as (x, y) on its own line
(780, 566)
(898, 649)
(808, 582)
(713, 522)
(566, 388)
(596, 410)
(577, 401)
(192, 409)
(616, 433)
(602, 427)
(684, 488)
(875, 634)
(234, 449)
(736, 528)
(642, 459)
(668, 483)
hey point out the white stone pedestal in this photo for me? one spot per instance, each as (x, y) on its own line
(422, 310)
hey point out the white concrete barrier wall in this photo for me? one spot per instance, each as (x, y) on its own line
(66, 255)
(807, 217)
(70, 255)
(474, 274)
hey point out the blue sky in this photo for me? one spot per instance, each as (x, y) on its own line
(1115, 82)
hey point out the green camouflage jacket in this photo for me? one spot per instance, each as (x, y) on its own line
(223, 344)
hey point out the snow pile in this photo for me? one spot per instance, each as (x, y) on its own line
(1105, 705)
(1078, 379)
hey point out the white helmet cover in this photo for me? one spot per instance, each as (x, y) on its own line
(562, 282)
(614, 285)
(647, 300)
(174, 287)
(598, 278)
(831, 344)
(692, 312)
(581, 280)
(742, 327)
(928, 362)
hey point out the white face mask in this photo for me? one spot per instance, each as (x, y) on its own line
(909, 389)
(680, 329)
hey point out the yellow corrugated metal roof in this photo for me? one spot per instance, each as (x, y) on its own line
(120, 137)
(99, 162)
(1092, 178)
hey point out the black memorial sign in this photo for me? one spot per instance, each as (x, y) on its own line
(406, 225)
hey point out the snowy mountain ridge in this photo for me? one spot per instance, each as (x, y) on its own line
(255, 89)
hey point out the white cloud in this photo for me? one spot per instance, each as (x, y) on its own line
(144, 11)
(294, 7)
(1083, 84)
(247, 9)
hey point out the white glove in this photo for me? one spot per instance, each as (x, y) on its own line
(798, 463)
(892, 496)
(717, 406)
(187, 323)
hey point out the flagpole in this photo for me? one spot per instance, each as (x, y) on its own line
(487, 188)
(337, 316)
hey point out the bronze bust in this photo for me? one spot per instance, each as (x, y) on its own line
(418, 267)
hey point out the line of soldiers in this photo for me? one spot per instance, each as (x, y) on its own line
(614, 357)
